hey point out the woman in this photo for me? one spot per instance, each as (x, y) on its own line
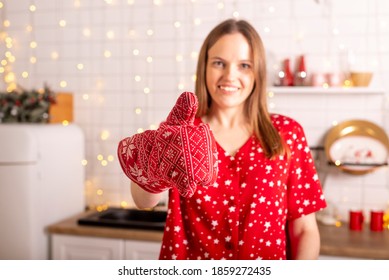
(267, 192)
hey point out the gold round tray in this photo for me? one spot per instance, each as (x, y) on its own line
(357, 146)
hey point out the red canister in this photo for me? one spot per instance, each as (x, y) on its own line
(356, 220)
(376, 220)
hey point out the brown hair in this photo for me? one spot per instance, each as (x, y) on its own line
(256, 104)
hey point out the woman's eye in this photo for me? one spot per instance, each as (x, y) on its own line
(246, 66)
(218, 63)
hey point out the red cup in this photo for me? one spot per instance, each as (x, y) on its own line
(376, 220)
(356, 220)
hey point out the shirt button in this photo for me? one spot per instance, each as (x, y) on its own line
(229, 246)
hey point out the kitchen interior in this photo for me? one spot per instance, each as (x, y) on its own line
(110, 69)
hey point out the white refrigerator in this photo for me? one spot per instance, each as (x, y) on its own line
(41, 182)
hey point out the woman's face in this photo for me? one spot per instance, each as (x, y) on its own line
(229, 72)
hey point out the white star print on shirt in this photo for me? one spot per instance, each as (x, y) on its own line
(306, 202)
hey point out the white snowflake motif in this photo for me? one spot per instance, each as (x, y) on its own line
(177, 228)
(227, 182)
(216, 241)
(268, 169)
(170, 153)
(306, 202)
(214, 223)
(174, 257)
(232, 209)
(166, 134)
(227, 239)
(262, 199)
(131, 147)
(207, 198)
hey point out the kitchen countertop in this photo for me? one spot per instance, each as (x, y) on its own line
(365, 244)
(71, 227)
(335, 241)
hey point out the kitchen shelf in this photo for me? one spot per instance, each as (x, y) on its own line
(358, 164)
(330, 90)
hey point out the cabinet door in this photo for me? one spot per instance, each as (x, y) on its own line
(141, 250)
(68, 247)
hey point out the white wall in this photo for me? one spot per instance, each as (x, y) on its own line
(108, 97)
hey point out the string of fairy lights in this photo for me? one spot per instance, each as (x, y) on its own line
(100, 155)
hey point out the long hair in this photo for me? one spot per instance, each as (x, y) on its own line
(256, 104)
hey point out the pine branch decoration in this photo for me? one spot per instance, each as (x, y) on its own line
(26, 106)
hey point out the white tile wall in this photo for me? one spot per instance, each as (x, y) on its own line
(317, 110)
(106, 93)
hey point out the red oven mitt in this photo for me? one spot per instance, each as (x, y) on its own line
(178, 154)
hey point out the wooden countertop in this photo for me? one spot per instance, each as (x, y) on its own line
(365, 244)
(70, 226)
(335, 241)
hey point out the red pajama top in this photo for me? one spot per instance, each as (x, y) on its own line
(243, 215)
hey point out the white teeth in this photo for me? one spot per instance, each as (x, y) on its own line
(228, 88)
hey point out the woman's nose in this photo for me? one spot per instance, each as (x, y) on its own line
(231, 71)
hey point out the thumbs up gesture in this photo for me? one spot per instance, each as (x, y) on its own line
(178, 154)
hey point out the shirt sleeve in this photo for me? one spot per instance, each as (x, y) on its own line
(305, 194)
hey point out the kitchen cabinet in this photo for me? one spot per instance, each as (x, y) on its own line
(71, 241)
(141, 250)
(71, 247)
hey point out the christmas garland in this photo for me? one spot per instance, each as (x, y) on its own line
(24, 106)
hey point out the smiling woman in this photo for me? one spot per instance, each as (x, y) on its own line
(263, 202)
